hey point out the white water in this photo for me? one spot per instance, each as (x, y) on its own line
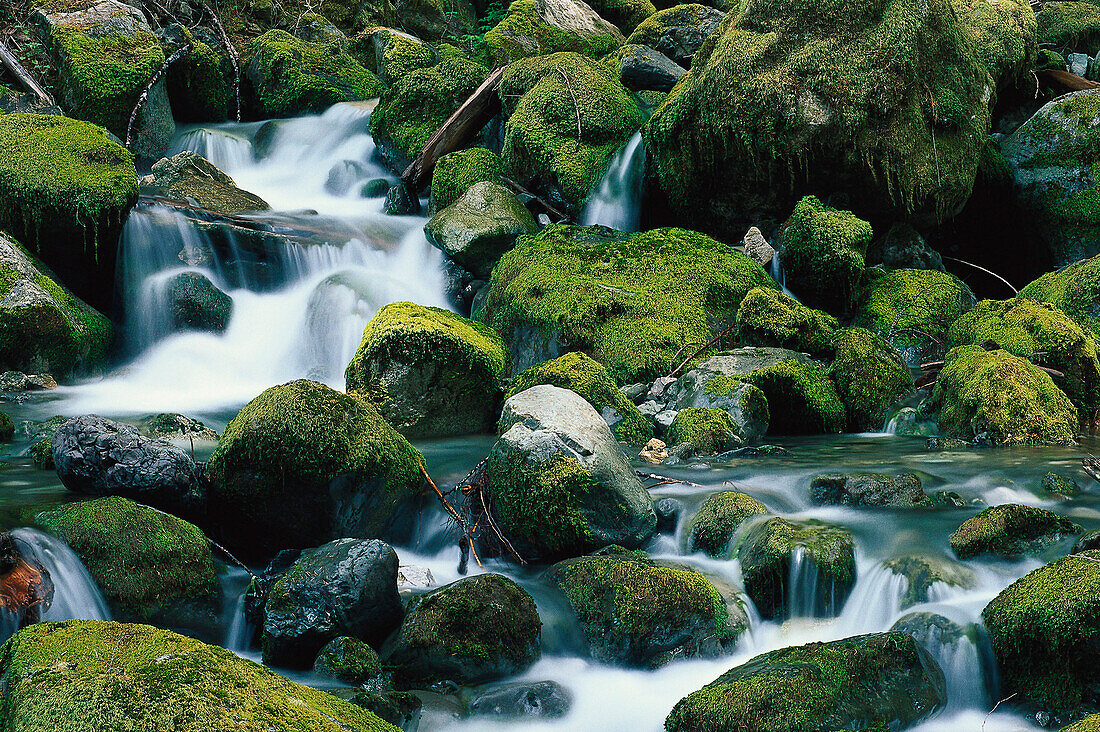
(617, 201)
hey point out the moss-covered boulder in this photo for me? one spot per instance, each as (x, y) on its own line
(630, 301)
(1011, 531)
(1090, 723)
(561, 484)
(189, 175)
(7, 427)
(880, 681)
(65, 190)
(292, 76)
(868, 489)
(996, 398)
(201, 85)
(348, 660)
(119, 676)
(624, 14)
(396, 53)
(870, 377)
(1074, 289)
(195, 303)
(474, 630)
(541, 27)
(705, 431)
(923, 573)
(1069, 27)
(566, 117)
(1044, 629)
(1055, 484)
(718, 383)
(678, 32)
(768, 317)
(801, 398)
(790, 98)
(713, 527)
(150, 565)
(1053, 158)
(432, 373)
(1004, 34)
(635, 612)
(44, 327)
(294, 456)
(579, 373)
(912, 309)
(455, 172)
(822, 555)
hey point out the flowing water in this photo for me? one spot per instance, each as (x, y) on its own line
(617, 201)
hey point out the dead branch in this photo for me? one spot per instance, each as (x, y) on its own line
(23, 76)
(576, 106)
(555, 213)
(704, 347)
(468, 530)
(1002, 701)
(987, 271)
(1067, 80)
(665, 479)
(234, 59)
(180, 53)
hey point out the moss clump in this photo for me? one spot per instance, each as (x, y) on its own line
(1010, 531)
(1059, 485)
(579, 373)
(88, 676)
(624, 14)
(349, 660)
(631, 302)
(870, 377)
(637, 613)
(922, 573)
(1003, 32)
(523, 33)
(41, 454)
(822, 252)
(7, 427)
(1044, 629)
(457, 171)
(1088, 724)
(708, 431)
(400, 55)
(199, 87)
(542, 147)
(292, 454)
(768, 317)
(144, 560)
(195, 303)
(999, 399)
(713, 527)
(1070, 27)
(1075, 290)
(293, 76)
(801, 398)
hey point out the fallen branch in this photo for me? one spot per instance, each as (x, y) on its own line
(180, 53)
(665, 479)
(467, 529)
(988, 271)
(1068, 80)
(23, 76)
(704, 347)
(555, 213)
(1002, 701)
(576, 105)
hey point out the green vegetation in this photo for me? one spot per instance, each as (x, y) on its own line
(1004, 35)
(713, 527)
(1075, 290)
(349, 660)
(823, 251)
(1010, 531)
(457, 171)
(768, 317)
(1070, 26)
(870, 377)
(522, 33)
(801, 398)
(708, 431)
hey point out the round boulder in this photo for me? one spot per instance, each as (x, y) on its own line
(1011, 531)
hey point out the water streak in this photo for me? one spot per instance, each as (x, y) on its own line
(617, 202)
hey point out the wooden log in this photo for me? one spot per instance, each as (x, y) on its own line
(23, 76)
(1065, 79)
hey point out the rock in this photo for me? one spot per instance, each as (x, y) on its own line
(396, 53)
(922, 573)
(316, 28)
(42, 325)
(1090, 723)
(100, 457)
(7, 427)
(822, 252)
(477, 629)
(432, 373)
(624, 14)
(1059, 485)
(903, 247)
(541, 27)
(107, 54)
(717, 521)
(195, 303)
(1044, 633)
(176, 427)
(929, 629)
(878, 680)
(654, 452)
(150, 566)
(868, 489)
(542, 699)
(716, 384)
(456, 172)
(668, 512)
(480, 226)
(293, 77)
(580, 374)
(69, 204)
(41, 454)
(775, 548)
(636, 613)
(344, 175)
(1065, 25)
(1088, 541)
(678, 32)
(705, 431)
(556, 473)
(768, 317)
(947, 443)
(400, 201)
(870, 376)
(1003, 34)
(346, 587)
(1011, 531)
(801, 398)
(400, 708)
(302, 464)
(375, 188)
(201, 85)
(414, 578)
(632, 300)
(1075, 290)
(757, 247)
(641, 67)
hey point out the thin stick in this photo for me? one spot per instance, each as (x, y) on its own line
(497, 531)
(576, 106)
(180, 53)
(987, 271)
(1002, 701)
(705, 346)
(665, 478)
(451, 509)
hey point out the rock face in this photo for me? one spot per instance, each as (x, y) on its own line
(100, 457)
(884, 679)
(801, 398)
(769, 317)
(201, 85)
(189, 175)
(474, 630)
(561, 484)
(637, 613)
(431, 372)
(717, 521)
(870, 376)
(220, 691)
(346, 587)
(195, 303)
(1011, 531)
(302, 464)
(868, 489)
(678, 32)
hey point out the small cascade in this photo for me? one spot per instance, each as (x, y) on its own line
(777, 273)
(807, 595)
(238, 631)
(617, 202)
(962, 669)
(875, 602)
(226, 150)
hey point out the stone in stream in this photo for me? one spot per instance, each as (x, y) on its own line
(561, 483)
(701, 431)
(922, 573)
(929, 629)
(1011, 531)
(541, 27)
(188, 175)
(871, 378)
(348, 660)
(195, 303)
(641, 68)
(1055, 484)
(456, 172)
(7, 427)
(768, 317)
(346, 587)
(542, 699)
(716, 383)
(718, 519)
(868, 489)
(1088, 541)
(677, 32)
(176, 427)
(869, 681)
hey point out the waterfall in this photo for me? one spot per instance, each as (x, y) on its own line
(808, 595)
(617, 201)
(875, 602)
(777, 273)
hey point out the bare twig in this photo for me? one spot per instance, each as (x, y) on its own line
(665, 479)
(1002, 701)
(180, 53)
(233, 58)
(576, 106)
(467, 529)
(707, 345)
(987, 271)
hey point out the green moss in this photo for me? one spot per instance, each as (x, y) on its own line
(708, 431)
(624, 14)
(457, 171)
(1010, 531)
(41, 454)
(768, 317)
(579, 373)
(523, 34)
(1070, 26)
(650, 30)
(870, 377)
(823, 250)
(1003, 32)
(89, 676)
(801, 398)
(7, 427)
(1059, 485)
(1074, 289)
(713, 527)
(144, 560)
(631, 302)
(349, 660)
(402, 55)
(198, 85)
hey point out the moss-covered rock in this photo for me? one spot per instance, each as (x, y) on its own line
(1003, 32)
(1011, 531)
(432, 373)
(624, 14)
(579, 373)
(801, 398)
(195, 303)
(1044, 629)
(119, 676)
(922, 573)
(631, 302)
(718, 383)
(348, 660)
(870, 377)
(150, 566)
(868, 489)
(201, 85)
(866, 682)
(707, 431)
(65, 190)
(566, 117)
(768, 317)
(1059, 485)
(397, 53)
(7, 427)
(1090, 723)
(1075, 290)
(637, 613)
(1070, 26)
(533, 28)
(714, 525)
(999, 399)
(678, 32)
(189, 175)
(41, 454)
(455, 172)
(474, 630)
(292, 455)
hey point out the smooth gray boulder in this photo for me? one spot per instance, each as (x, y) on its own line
(643, 68)
(480, 226)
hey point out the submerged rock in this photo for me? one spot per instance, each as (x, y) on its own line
(921, 573)
(1059, 485)
(542, 699)
(1010, 531)
(480, 226)
(868, 489)
(348, 660)
(717, 521)
(195, 303)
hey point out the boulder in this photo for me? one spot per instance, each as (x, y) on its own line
(624, 14)
(1069, 26)
(677, 32)
(822, 251)
(902, 247)
(870, 376)
(456, 172)
(717, 383)
(561, 484)
(480, 226)
(922, 573)
(1059, 485)
(643, 68)
(1074, 289)
(542, 699)
(168, 426)
(191, 176)
(346, 587)
(702, 431)
(869, 489)
(801, 398)
(1004, 34)
(396, 53)
(348, 660)
(195, 303)
(540, 27)
(1088, 541)
(201, 85)
(432, 373)
(768, 317)
(716, 523)
(1011, 531)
